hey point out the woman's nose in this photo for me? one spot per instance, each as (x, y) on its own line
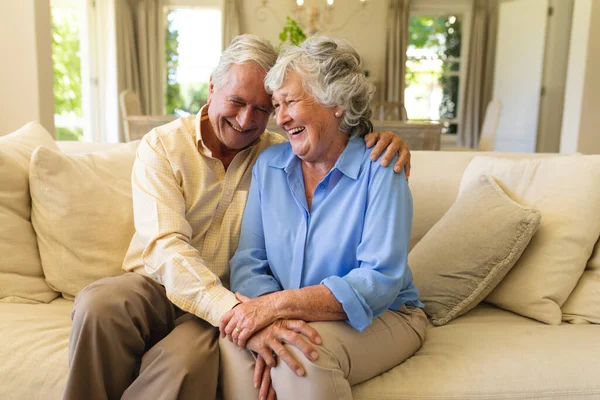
(282, 116)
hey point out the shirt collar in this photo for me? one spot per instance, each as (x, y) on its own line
(347, 163)
(283, 159)
(201, 116)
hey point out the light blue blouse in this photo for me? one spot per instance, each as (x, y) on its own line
(354, 240)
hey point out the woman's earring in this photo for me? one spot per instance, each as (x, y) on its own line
(337, 114)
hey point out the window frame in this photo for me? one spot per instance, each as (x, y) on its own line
(437, 8)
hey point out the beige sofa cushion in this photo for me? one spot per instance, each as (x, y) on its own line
(73, 147)
(34, 350)
(494, 354)
(468, 252)
(565, 190)
(83, 215)
(583, 305)
(21, 275)
(442, 171)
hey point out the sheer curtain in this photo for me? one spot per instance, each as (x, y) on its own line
(480, 71)
(395, 54)
(140, 52)
(230, 21)
(99, 69)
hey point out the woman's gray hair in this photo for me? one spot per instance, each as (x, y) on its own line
(242, 49)
(331, 72)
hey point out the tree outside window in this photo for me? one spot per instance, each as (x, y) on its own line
(433, 69)
(67, 71)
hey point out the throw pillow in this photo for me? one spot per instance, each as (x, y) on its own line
(583, 305)
(565, 190)
(21, 275)
(470, 249)
(83, 215)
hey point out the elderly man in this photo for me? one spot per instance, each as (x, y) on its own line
(153, 331)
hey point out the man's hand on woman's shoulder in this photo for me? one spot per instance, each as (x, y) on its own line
(392, 144)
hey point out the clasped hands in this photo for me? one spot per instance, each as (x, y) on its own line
(257, 324)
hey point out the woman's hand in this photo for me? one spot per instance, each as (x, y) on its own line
(247, 318)
(268, 343)
(262, 377)
(392, 144)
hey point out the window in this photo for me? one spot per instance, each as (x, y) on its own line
(434, 67)
(193, 48)
(84, 70)
(66, 58)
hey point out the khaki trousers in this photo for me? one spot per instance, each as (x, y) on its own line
(129, 341)
(346, 357)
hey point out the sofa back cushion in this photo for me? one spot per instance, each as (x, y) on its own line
(82, 213)
(583, 305)
(21, 275)
(434, 182)
(75, 147)
(565, 191)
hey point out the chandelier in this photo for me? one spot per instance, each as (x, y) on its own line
(317, 15)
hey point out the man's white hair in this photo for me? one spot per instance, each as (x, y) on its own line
(330, 70)
(242, 49)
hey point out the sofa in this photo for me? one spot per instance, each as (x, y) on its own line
(65, 220)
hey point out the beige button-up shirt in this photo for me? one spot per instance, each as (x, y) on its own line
(188, 211)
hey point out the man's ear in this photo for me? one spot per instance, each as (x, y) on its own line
(211, 89)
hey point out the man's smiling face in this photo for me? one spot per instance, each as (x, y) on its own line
(239, 107)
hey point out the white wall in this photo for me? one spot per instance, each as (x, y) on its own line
(581, 118)
(26, 68)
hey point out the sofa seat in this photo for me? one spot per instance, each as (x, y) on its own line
(494, 354)
(486, 354)
(34, 350)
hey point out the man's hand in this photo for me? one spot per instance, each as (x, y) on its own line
(262, 380)
(392, 144)
(247, 318)
(270, 340)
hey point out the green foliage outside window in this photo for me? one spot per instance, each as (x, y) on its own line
(424, 32)
(450, 88)
(64, 133)
(173, 95)
(443, 34)
(67, 70)
(195, 96)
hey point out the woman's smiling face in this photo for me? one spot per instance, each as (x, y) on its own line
(313, 129)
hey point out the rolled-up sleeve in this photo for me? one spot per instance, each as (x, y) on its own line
(369, 290)
(168, 256)
(250, 272)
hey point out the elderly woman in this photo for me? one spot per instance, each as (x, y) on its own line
(325, 237)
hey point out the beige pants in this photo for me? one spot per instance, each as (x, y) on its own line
(129, 341)
(346, 357)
